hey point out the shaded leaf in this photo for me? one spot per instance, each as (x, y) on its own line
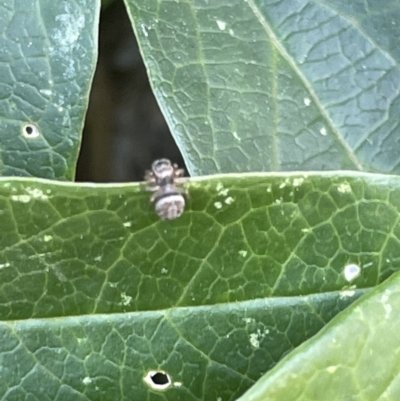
(47, 60)
(265, 85)
(210, 352)
(354, 357)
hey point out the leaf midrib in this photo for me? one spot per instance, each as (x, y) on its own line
(269, 32)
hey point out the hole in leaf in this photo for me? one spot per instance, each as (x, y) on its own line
(30, 131)
(158, 379)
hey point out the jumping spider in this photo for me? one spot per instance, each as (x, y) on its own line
(168, 198)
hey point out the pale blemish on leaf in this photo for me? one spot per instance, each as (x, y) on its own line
(125, 299)
(255, 338)
(221, 24)
(386, 305)
(21, 198)
(218, 205)
(298, 181)
(236, 136)
(144, 30)
(36, 193)
(331, 369)
(344, 187)
(347, 294)
(223, 192)
(351, 271)
(219, 186)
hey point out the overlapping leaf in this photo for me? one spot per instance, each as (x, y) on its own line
(210, 352)
(276, 85)
(48, 54)
(355, 357)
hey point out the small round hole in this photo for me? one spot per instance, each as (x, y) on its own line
(158, 379)
(30, 131)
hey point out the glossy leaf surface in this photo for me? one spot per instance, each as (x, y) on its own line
(48, 52)
(70, 249)
(211, 352)
(96, 290)
(263, 85)
(355, 357)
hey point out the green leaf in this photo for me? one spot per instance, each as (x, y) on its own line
(107, 357)
(68, 249)
(266, 85)
(354, 357)
(96, 290)
(48, 52)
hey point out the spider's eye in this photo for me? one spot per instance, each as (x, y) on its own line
(160, 164)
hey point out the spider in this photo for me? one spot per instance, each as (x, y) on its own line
(168, 198)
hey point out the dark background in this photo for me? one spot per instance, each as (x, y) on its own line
(124, 128)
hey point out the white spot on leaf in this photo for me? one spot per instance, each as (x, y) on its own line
(254, 341)
(344, 187)
(255, 338)
(307, 101)
(331, 369)
(125, 299)
(46, 92)
(36, 193)
(386, 305)
(87, 380)
(223, 192)
(221, 24)
(322, 131)
(144, 30)
(21, 198)
(298, 181)
(219, 186)
(218, 205)
(351, 272)
(236, 136)
(229, 200)
(347, 294)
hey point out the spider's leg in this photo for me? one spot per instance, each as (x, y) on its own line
(152, 188)
(154, 196)
(178, 172)
(149, 176)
